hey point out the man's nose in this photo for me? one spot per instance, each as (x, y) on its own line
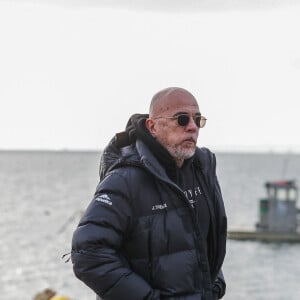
(191, 126)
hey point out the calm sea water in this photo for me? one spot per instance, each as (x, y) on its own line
(43, 193)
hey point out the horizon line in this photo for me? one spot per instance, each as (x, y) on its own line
(218, 149)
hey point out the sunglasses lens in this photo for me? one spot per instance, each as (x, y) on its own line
(202, 122)
(183, 120)
(198, 121)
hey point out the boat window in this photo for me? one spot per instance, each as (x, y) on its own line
(292, 195)
(271, 193)
(282, 194)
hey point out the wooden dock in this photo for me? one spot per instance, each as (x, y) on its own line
(248, 234)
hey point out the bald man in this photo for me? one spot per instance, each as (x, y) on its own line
(156, 227)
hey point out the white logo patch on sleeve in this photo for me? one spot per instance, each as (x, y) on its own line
(104, 198)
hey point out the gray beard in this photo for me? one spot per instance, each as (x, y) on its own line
(180, 154)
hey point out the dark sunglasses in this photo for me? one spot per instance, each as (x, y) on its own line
(184, 119)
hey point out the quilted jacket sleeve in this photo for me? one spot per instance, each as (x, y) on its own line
(96, 244)
(219, 286)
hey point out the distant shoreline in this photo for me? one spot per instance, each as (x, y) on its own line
(217, 151)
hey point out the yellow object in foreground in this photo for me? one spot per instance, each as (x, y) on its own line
(59, 297)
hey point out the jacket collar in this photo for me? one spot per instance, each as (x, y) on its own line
(149, 160)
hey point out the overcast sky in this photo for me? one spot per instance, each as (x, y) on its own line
(72, 72)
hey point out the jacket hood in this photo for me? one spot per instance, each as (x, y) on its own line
(114, 152)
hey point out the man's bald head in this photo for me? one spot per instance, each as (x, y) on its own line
(166, 105)
(168, 98)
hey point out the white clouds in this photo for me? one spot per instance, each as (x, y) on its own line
(170, 5)
(72, 77)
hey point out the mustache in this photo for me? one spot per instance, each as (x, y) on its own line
(191, 139)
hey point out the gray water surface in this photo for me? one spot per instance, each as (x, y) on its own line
(43, 193)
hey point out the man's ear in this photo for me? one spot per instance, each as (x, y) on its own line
(150, 124)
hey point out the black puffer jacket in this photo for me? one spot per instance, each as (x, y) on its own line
(139, 238)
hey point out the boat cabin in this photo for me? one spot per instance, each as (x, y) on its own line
(278, 212)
